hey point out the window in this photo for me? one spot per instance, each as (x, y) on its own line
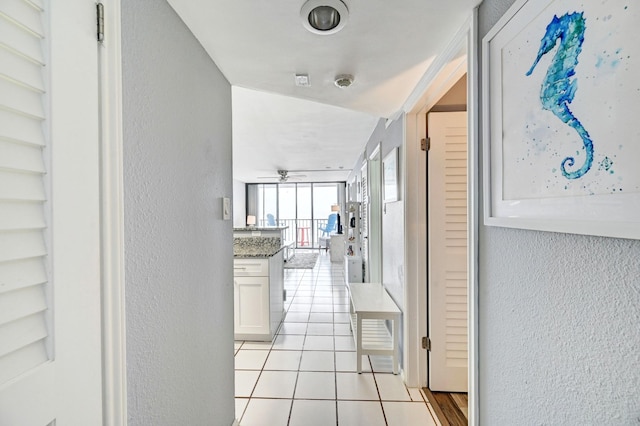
(301, 207)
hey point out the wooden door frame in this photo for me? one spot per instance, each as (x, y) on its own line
(439, 78)
(114, 398)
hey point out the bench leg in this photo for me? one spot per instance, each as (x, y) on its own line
(359, 343)
(395, 339)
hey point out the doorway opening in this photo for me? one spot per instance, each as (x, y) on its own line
(432, 96)
(447, 255)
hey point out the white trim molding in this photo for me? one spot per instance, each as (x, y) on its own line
(112, 226)
(473, 214)
(414, 199)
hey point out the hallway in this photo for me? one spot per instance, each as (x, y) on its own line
(307, 377)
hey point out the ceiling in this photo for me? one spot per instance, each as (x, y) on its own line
(318, 130)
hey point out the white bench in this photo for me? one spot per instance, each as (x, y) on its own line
(370, 308)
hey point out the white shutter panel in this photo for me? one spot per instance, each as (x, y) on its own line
(447, 235)
(364, 221)
(24, 340)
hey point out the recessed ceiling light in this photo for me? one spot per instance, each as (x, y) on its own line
(343, 80)
(324, 16)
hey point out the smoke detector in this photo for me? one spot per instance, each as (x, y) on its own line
(343, 80)
(302, 80)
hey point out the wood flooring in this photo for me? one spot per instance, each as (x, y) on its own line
(451, 408)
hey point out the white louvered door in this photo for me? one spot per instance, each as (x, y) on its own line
(50, 343)
(447, 251)
(364, 220)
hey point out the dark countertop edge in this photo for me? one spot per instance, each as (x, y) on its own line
(257, 255)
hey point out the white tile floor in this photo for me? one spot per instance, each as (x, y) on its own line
(307, 377)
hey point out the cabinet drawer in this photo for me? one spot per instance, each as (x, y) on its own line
(251, 267)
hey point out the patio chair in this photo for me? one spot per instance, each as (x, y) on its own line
(330, 226)
(323, 239)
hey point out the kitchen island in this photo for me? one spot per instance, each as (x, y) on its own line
(268, 231)
(258, 277)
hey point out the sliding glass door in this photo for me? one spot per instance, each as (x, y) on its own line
(324, 197)
(287, 209)
(303, 208)
(304, 218)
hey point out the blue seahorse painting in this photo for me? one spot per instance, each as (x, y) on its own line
(558, 88)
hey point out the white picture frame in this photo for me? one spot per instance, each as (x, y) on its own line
(528, 181)
(390, 176)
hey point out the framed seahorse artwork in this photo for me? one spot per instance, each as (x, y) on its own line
(561, 117)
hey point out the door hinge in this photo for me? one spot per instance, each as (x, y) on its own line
(100, 22)
(426, 343)
(425, 144)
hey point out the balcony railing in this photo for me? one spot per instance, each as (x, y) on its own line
(305, 232)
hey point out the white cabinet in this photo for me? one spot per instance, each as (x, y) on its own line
(353, 269)
(353, 243)
(337, 247)
(258, 288)
(354, 231)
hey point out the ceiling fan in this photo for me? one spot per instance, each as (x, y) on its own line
(283, 176)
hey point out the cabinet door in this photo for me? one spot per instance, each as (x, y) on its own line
(251, 299)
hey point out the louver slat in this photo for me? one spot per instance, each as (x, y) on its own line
(21, 273)
(23, 14)
(21, 186)
(21, 245)
(21, 303)
(21, 70)
(33, 329)
(14, 156)
(17, 39)
(20, 128)
(21, 216)
(19, 98)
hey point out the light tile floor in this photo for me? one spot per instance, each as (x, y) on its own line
(306, 376)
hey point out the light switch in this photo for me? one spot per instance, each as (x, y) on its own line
(226, 208)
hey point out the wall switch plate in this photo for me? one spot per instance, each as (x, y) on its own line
(226, 208)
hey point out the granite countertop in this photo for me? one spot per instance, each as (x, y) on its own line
(256, 246)
(261, 228)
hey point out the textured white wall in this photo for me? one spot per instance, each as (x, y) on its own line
(393, 220)
(559, 322)
(179, 295)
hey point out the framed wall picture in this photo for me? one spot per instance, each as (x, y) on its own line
(561, 96)
(390, 176)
